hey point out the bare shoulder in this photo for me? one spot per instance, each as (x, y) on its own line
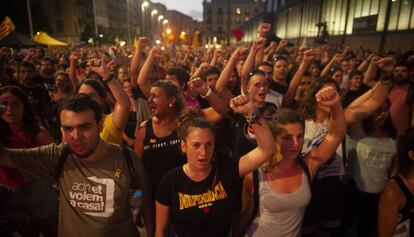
(392, 193)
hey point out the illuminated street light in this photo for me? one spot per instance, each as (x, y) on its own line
(160, 17)
(154, 12)
(182, 33)
(165, 22)
(168, 31)
(100, 35)
(145, 4)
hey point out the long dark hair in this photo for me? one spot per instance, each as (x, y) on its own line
(30, 121)
(405, 144)
(387, 126)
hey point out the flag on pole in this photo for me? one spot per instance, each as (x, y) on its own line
(6, 27)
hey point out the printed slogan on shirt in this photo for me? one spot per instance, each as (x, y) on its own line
(95, 197)
(202, 200)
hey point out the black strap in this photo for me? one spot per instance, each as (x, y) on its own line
(61, 162)
(255, 194)
(255, 199)
(128, 160)
(65, 154)
(408, 196)
(344, 157)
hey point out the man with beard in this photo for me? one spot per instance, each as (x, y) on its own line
(95, 181)
(400, 110)
(38, 95)
(47, 72)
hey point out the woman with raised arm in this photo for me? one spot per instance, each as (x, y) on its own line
(115, 121)
(283, 183)
(20, 128)
(397, 199)
(198, 197)
(157, 141)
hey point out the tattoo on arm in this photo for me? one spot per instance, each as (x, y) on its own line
(358, 116)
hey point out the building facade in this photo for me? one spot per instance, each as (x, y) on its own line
(221, 17)
(378, 25)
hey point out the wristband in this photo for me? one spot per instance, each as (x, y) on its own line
(110, 78)
(208, 94)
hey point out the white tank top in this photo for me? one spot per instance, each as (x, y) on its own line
(279, 214)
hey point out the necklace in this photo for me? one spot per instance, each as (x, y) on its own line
(186, 170)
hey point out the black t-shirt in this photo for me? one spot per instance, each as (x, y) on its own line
(200, 208)
(352, 95)
(243, 142)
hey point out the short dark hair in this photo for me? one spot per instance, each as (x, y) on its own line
(182, 75)
(355, 72)
(49, 59)
(265, 64)
(404, 64)
(28, 65)
(210, 70)
(405, 144)
(96, 85)
(81, 102)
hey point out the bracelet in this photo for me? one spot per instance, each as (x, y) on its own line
(110, 78)
(208, 94)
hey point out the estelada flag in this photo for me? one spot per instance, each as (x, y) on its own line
(6, 27)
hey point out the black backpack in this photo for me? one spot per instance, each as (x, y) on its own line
(65, 154)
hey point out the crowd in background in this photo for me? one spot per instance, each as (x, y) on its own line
(340, 117)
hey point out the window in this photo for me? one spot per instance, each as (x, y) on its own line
(404, 16)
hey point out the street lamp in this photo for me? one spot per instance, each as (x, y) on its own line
(160, 17)
(153, 26)
(143, 6)
(165, 22)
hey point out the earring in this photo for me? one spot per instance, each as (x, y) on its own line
(170, 105)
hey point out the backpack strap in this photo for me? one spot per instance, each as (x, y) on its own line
(128, 160)
(61, 162)
(408, 196)
(255, 199)
(305, 168)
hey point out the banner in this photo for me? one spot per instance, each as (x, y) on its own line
(6, 27)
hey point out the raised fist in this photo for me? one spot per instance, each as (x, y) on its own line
(198, 85)
(242, 104)
(386, 64)
(259, 43)
(328, 97)
(74, 56)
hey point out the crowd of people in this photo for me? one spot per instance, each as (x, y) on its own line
(253, 139)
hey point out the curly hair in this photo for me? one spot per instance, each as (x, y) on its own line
(308, 107)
